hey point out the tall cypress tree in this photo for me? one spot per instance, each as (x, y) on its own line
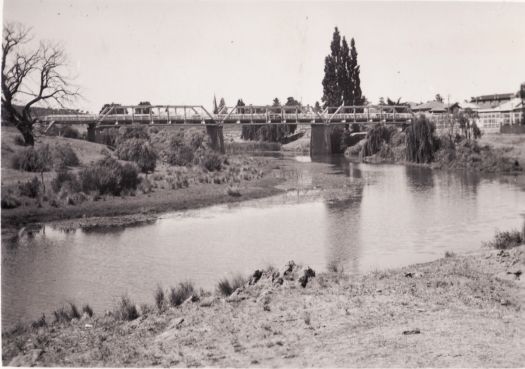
(357, 94)
(332, 95)
(345, 77)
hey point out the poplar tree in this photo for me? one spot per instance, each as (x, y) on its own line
(357, 94)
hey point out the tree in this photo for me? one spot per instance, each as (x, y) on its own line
(341, 82)
(215, 108)
(222, 104)
(355, 80)
(439, 98)
(35, 76)
(276, 102)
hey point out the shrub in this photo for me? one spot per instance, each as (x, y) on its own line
(61, 315)
(376, 138)
(32, 159)
(86, 309)
(476, 132)
(70, 132)
(506, 240)
(145, 186)
(210, 160)
(226, 288)
(64, 177)
(180, 294)
(39, 323)
(132, 132)
(9, 201)
(108, 176)
(139, 151)
(421, 143)
(64, 156)
(126, 310)
(30, 188)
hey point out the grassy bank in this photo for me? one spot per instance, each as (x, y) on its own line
(36, 197)
(456, 311)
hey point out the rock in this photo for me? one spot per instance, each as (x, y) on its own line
(255, 277)
(409, 274)
(28, 359)
(235, 298)
(412, 331)
(88, 325)
(208, 301)
(279, 281)
(517, 273)
(505, 302)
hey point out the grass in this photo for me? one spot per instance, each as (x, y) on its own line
(159, 298)
(507, 239)
(181, 293)
(225, 287)
(86, 309)
(126, 309)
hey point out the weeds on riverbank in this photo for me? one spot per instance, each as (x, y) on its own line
(181, 293)
(226, 287)
(507, 239)
(126, 309)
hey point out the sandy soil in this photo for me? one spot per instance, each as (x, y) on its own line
(459, 311)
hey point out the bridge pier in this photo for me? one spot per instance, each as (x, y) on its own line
(320, 139)
(91, 133)
(215, 138)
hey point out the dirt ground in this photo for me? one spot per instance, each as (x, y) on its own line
(458, 311)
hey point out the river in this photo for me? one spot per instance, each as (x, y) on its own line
(359, 217)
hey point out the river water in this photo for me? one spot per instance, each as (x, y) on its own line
(359, 216)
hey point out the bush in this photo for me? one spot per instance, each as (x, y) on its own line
(64, 177)
(126, 310)
(226, 288)
(507, 239)
(376, 138)
(32, 159)
(70, 132)
(30, 188)
(64, 156)
(109, 176)
(210, 160)
(132, 132)
(421, 143)
(180, 294)
(9, 201)
(139, 151)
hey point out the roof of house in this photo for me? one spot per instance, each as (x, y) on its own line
(493, 97)
(513, 104)
(433, 106)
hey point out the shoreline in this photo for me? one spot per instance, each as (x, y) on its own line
(459, 310)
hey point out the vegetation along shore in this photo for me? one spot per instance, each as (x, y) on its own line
(460, 310)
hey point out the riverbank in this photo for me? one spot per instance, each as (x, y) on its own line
(460, 311)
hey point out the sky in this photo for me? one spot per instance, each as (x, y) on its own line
(172, 52)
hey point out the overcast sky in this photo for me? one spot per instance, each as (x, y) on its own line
(172, 52)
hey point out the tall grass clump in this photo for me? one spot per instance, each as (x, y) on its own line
(63, 315)
(159, 298)
(421, 142)
(86, 309)
(126, 309)
(108, 176)
(181, 293)
(64, 156)
(378, 136)
(225, 287)
(507, 239)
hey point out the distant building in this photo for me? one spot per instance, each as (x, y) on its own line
(491, 101)
(437, 112)
(508, 113)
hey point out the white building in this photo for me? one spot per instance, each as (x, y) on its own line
(508, 113)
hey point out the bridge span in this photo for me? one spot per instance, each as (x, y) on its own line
(321, 122)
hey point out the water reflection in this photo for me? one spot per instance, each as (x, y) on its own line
(360, 216)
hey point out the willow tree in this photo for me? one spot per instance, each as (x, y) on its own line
(31, 76)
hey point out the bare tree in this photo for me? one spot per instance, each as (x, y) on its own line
(32, 76)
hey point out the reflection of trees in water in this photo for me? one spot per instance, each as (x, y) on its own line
(419, 179)
(466, 182)
(343, 226)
